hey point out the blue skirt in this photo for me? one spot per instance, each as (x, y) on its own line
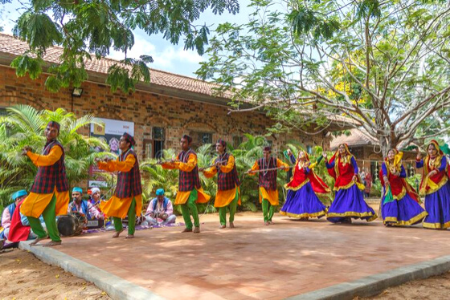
(303, 203)
(349, 203)
(403, 212)
(437, 206)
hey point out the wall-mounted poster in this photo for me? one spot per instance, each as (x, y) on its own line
(110, 134)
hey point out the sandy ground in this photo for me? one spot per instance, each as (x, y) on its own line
(433, 288)
(26, 277)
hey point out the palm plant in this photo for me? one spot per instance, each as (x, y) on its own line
(24, 126)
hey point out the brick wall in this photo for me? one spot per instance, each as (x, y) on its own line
(177, 116)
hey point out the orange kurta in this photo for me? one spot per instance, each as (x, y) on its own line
(224, 198)
(182, 197)
(115, 206)
(35, 204)
(271, 196)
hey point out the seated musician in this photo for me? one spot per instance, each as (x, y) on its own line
(83, 206)
(8, 212)
(160, 210)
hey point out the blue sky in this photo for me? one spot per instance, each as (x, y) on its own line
(167, 57)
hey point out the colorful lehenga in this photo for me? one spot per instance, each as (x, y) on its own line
(349, 201)
(436, 189)
(301, 199)
(403, 209)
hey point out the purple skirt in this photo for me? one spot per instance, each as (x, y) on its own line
(303, 203)
(403, 212)
(349, 203)
(437, 206)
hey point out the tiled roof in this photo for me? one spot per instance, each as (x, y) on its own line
(13, 46)
(356, 138)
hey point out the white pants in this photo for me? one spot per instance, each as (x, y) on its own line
(171, 219)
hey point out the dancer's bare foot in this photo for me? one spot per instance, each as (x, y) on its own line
(130, 236)
(223, 226)
(196, 229)
(231, 225)
(271, 222)
(37, 240)
(187, 230)
(116, 234)
(266, 223)
(52, 243)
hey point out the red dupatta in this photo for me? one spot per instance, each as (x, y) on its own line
(396, 182)
(18, 232)
(300, 177)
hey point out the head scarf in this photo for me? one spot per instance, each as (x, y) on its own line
(159, 192)
(267, 148)
(436, 146)
(95, 190)
(54, 124)
(129, 138)
(397, 161)
(19, 194)
(188, 138)
(77, 190)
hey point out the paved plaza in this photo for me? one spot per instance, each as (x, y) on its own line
(254, 261)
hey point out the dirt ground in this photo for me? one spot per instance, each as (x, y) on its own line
(433, 288)
(26, 277)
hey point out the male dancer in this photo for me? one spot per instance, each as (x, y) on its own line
(49, 194)
(190, 190)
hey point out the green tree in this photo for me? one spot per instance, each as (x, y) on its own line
(82, 27)
(380, 65)
(24, 125)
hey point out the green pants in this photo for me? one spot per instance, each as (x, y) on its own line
(190, 208)
(232, 206)
(49, 216)
(131, 219)
(268, 210)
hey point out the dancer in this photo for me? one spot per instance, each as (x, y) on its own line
(127, 198)
(190, 190)
(403, 208)
(348, 201)
(49, 194)
(301, 200)
(228, 193)
(435, 186)
(268, 167)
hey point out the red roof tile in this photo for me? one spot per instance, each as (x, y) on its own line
(13, 46)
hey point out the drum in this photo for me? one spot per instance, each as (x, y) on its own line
(72, 224)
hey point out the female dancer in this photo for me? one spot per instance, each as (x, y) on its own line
(301, 201)
(435, 187)
(348, 202)
(403, 209)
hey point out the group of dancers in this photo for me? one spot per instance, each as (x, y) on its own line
(49, 194)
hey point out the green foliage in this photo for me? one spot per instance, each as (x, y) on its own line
(83, 27)
(24, 126)
(381, 65)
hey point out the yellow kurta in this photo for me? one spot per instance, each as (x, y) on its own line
(224, 198)
(271, 196)
(35, 204)
(182, 197)
(115, 206)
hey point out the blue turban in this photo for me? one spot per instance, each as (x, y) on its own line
(159, 192)
(19, 194)
(77, 189)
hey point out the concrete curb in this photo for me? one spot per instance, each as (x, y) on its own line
(374, 284)
(116, 287)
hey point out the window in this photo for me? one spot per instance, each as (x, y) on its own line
(154, 148)
(158, 142)
(205, 138)
(309, 149)
(3, 111)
